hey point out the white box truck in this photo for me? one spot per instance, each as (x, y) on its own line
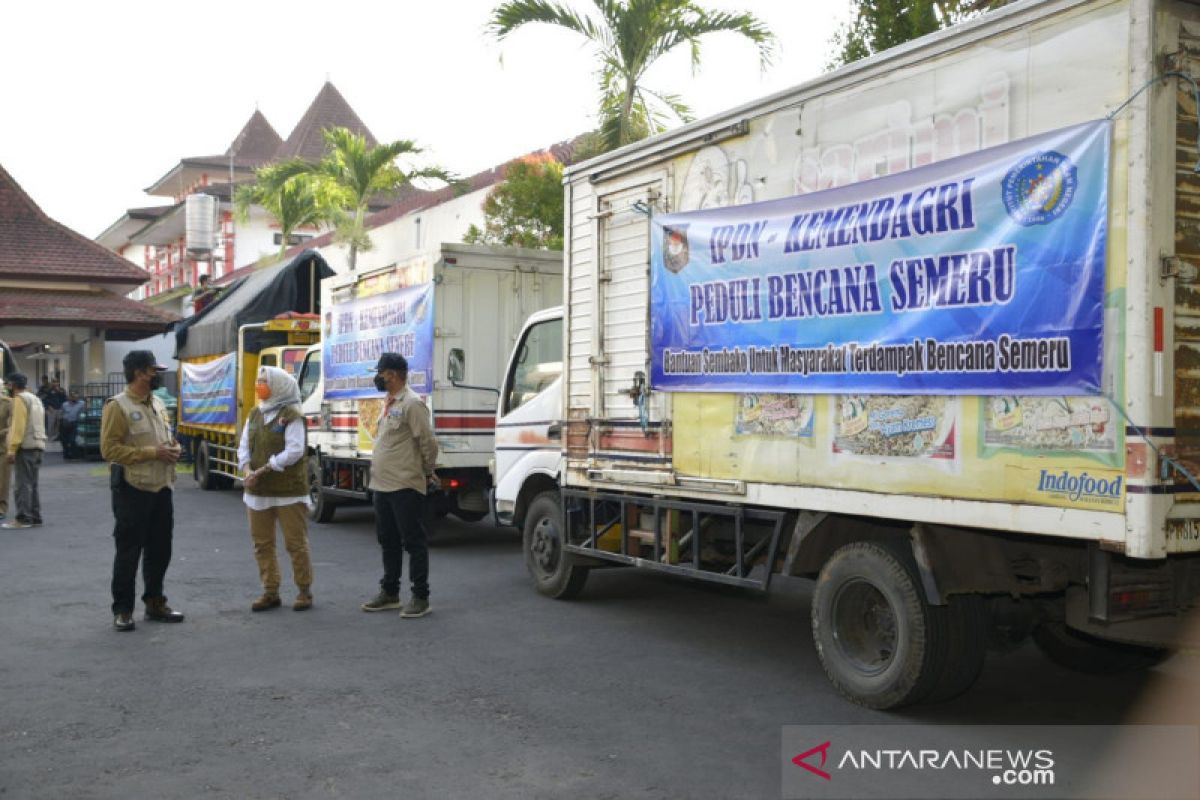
(454, 313)
(925, 329)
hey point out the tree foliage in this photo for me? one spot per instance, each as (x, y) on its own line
(629, 36)
(525, 209)
(877, 25)
(291, 201)
(350, 174)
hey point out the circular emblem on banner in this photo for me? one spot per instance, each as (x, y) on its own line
(1040, 188)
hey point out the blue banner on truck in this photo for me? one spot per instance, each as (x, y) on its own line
(982, 274)
(356, 332)
(208, 391)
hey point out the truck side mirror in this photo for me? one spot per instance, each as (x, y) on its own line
(457, 365)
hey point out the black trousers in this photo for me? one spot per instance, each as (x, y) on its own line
(399, 527)
(143, 533)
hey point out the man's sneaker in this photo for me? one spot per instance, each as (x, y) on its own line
(34, 523)
(19, 522)
(382, 602)
(303, 602)
(416, 607)
(123, 622)
(268, 600)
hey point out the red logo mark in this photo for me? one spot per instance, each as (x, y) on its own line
(823, 749)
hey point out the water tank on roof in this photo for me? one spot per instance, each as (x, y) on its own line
(201, 225)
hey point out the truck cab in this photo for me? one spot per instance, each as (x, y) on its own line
(528, 452)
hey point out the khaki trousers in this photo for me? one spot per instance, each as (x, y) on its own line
(293, 521)
(5, 477)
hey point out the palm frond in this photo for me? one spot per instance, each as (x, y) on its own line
(507, 17)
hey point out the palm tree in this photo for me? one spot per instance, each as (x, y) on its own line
(350, 174)
(630, 36)
(291, 201)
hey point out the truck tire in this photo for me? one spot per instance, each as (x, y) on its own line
(968, 625)
(322, 506)
(208, 480)
(881, 644)
(1080, 652)
(555, 573)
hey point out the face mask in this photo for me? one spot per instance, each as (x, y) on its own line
(262, 390)
(156, 382)
(380, 383)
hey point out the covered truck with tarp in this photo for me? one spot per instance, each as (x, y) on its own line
(267, 318)
(925, 329)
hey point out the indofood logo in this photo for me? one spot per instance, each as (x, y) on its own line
(1039, 189)
(1082, 486)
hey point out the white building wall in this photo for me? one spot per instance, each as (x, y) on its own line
(413, 233)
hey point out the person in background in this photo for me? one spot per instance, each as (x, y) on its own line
(52, 397)
(271, 456)
(135, 437)
(402, 469)
(26, 444)
(69, 426)
(204, 295)
(5, 467)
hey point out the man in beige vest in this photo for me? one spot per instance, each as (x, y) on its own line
(25, 447)
(402, 469)
(135, 436)
(5, 467)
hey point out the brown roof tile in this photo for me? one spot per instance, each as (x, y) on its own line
(328, 110)
(34, 246)
(98, 309)
(257, 140)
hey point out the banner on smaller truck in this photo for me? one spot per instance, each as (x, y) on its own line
(357, 331)
(207, 392)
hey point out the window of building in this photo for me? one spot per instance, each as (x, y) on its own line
(295, 238)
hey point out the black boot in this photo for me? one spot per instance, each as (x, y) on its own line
(157, 610)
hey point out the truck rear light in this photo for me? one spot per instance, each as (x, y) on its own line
(451, 483)
(1130, 601)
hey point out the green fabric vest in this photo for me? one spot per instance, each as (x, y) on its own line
(266, 441)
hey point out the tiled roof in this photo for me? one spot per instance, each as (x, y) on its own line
(328, 110)
(257, 139)
(34, 246)
(98, 309)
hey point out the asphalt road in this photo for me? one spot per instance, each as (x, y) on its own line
(644, 687)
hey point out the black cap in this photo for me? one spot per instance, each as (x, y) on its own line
(18, 379)
(141, 359)
(392, 361)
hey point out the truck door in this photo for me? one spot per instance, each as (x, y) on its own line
(621, 347)
(529, 426)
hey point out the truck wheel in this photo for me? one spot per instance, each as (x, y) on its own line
(1080, 652)
(881, 644)
(202, 469)
(968, 624)
(555, 573)
(321, 507)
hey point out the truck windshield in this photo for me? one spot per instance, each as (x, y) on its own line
(310, 374)
(538, 363)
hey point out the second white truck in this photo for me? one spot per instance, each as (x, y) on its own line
(454, 313)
